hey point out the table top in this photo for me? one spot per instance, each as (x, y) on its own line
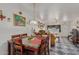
(35, 42)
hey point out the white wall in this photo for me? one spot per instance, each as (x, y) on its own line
(66, 28)
(7, 28)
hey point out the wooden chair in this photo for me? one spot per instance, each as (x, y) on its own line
(17, 45)
(42, 48)
(47, 45)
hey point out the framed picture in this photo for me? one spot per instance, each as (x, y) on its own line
(2, 17)
(54, 27)
(19, 20)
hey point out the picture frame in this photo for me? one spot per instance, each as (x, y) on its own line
(19, 20)
(58, 27)
(2, 17)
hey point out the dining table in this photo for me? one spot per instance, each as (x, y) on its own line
(33, 44)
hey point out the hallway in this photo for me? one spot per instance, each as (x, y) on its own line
(64, 47)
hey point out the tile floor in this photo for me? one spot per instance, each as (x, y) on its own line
(64, 47)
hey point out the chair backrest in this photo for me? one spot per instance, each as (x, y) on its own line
(14, 36)
(42, 46)
(16, 39)
(17, 44)
(23, 35)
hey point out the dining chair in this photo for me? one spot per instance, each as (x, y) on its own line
(17, 45)
(42, 48)
(47, 45)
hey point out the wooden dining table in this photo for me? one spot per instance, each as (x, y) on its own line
(33, 44)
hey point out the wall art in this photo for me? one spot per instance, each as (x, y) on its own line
(19, 20)
(1, 15)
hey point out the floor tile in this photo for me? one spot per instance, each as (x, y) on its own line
(64, 47)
